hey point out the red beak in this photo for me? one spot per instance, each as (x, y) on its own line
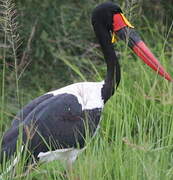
(124, 32)
(147, 56)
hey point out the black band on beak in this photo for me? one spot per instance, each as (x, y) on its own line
(128, 35)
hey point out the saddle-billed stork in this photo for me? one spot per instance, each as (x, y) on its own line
(54, 125)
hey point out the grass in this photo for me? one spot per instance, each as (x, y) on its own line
(136, 136)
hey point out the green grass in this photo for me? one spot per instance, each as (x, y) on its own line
(135, 141)
(136, 136)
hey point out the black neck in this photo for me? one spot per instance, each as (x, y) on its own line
(113, 67)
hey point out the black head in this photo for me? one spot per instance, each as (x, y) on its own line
(103, 14)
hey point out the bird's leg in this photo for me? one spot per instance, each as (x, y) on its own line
(69, 167)
(69, 171)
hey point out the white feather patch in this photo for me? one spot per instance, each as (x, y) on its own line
(64, 155)
(87, 93)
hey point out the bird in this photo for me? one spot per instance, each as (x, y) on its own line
(54, 126)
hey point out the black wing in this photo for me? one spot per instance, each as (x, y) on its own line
(57, 122)
(24, 112)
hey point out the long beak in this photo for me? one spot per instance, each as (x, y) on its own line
(125, 31)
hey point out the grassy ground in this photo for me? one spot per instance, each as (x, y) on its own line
(136, 137)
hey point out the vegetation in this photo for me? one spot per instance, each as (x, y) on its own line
(48, 44)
